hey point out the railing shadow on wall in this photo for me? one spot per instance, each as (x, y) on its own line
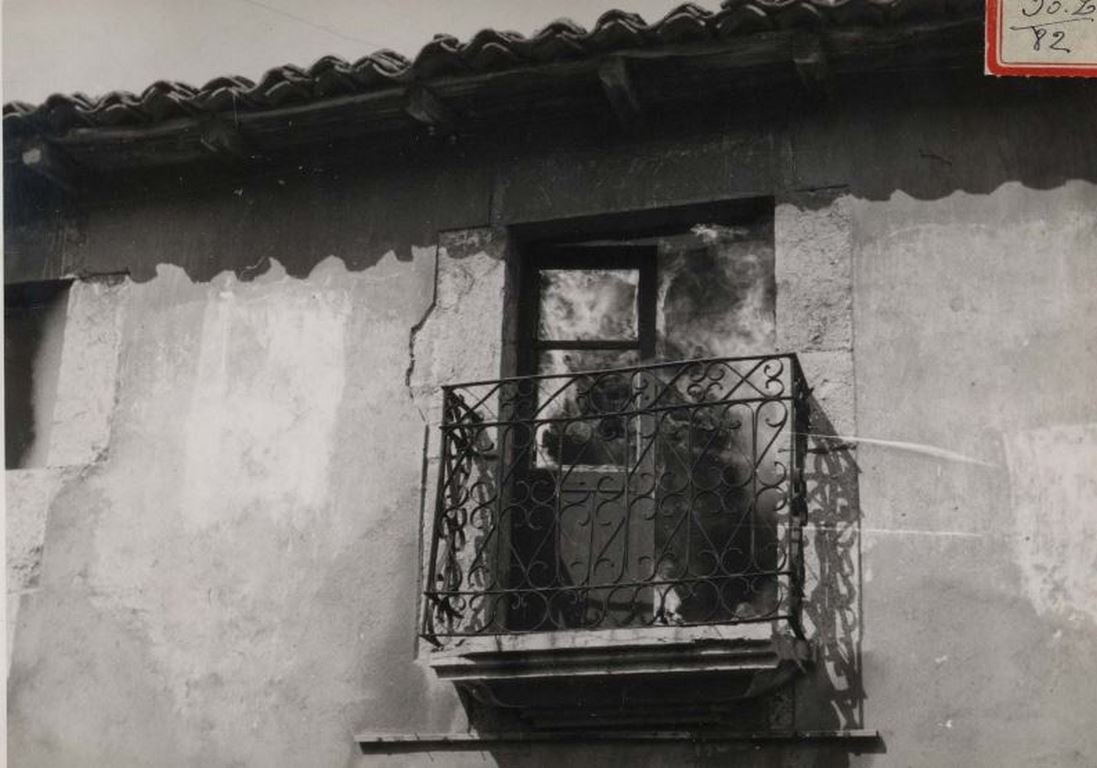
(833, 697)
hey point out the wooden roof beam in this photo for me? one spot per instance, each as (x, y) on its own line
(812, 65)
(621, 92)
(424, 106)
(224, 141)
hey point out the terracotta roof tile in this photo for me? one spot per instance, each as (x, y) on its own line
(445, 56)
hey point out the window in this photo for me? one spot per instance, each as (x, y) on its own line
(640, 471)
(34, 317)
(586, 309)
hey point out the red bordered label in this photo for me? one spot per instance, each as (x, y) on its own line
(1042, 38)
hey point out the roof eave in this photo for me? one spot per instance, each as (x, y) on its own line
(654, 76)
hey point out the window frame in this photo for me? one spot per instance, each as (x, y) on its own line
(642, 258)
(593, 670)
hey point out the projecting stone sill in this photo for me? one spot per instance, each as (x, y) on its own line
(617, 652)
(668, 677)
(386, 743)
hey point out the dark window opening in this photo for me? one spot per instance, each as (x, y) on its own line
(34, 317)
(657, 507)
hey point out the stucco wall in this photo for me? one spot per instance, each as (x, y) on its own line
(229, 581)
(974, 326)
(232, 524)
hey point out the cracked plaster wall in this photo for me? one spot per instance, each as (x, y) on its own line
(458, 339)
(215, 591)
(289, 414)
(460, 336)
(76, 434)
(224, 565)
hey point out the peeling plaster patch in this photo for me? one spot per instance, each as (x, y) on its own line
(461, 337)
(89, 366)
(332, 273)
(28, 496)
(270, 377)
(462, 243)
(1053, 490)
(236, 518)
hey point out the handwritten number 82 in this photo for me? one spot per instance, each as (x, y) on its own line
(1057, 36)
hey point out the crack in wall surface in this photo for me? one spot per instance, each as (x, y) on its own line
(456, 337)
(417, 327)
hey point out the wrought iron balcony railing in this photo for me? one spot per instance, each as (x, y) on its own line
(666, 494)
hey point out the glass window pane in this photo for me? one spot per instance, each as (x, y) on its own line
(716, 293)
(586, 304)
(591, 433)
